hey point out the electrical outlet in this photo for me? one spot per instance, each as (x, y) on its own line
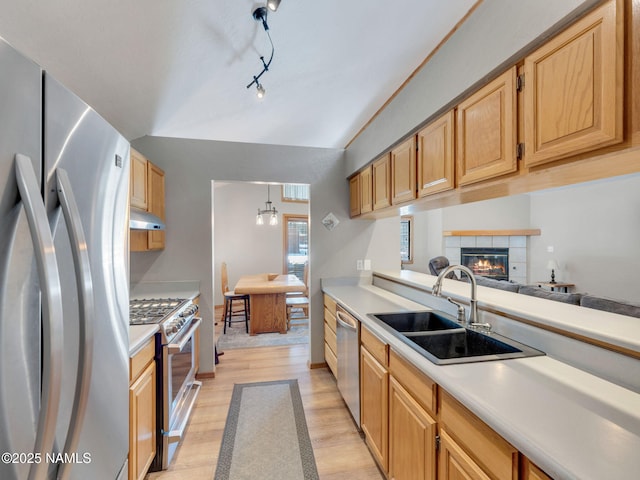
(550, 249)
(359, 265)
(367, 264)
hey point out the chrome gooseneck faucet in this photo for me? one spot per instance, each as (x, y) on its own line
(472, 318)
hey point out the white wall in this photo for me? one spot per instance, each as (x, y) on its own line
(594, 229)
(248, 248)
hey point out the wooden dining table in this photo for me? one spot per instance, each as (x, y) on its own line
(268, 300)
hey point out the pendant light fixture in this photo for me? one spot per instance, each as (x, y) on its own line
(268, 210)
(260, 15)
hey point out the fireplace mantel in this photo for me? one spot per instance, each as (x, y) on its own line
(491, 233)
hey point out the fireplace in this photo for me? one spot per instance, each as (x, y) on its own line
(487, 262)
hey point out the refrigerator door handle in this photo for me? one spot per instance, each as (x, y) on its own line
(84, 285)
(52, 314)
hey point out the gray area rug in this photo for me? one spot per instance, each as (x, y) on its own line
(237, 337)
(266, 435)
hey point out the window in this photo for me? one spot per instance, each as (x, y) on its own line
(293, 192)
(406, 239)
(296, 244)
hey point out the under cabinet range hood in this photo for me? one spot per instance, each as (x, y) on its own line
(141, 220)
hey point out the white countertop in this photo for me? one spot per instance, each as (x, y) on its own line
(139, 335)
(572, 424)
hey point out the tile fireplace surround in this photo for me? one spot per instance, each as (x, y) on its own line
(517, 245)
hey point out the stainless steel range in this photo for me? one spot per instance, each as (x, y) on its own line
(175, 356)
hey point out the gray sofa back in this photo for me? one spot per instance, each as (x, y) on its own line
(610, 305)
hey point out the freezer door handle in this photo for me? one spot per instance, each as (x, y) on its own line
(52, 334)
(84, 284)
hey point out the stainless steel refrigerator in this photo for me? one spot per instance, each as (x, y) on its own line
(64, 276)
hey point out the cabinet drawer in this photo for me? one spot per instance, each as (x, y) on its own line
(331, 360)
(330, 304)
(330, 319)
(421, 387)
(378, 349)
(330, 338)
(487, 448)
(140, 360)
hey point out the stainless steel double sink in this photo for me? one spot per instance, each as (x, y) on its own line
(440, 338)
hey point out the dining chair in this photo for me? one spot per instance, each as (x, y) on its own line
(231, 310)
(299, 303)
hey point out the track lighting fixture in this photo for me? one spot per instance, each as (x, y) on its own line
(260, 15)
(273, 5)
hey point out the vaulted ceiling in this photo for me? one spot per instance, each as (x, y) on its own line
(180, 68)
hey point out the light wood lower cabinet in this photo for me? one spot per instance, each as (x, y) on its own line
(330, 341)
(532, 472)
(142, 412)
(412, 437)
(454, 463)
(487, 450)
(374, 388)
(415, 430)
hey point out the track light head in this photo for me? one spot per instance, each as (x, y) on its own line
(273, 5)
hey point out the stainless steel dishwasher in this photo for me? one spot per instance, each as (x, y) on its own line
(348, 337)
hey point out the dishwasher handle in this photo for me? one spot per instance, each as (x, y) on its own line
(346, 321)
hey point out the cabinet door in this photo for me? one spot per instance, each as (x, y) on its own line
(366, 190)
(142, 423)
(532, 472)
(487, 131)
(374, 412)
(403, 172)
(435, 156)
(156, 206)
(381, 183)
(138, 188)
(412, 437)
(354, 196)
(455, 464)
(573, 99)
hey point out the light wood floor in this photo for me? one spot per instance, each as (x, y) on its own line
(339, 450)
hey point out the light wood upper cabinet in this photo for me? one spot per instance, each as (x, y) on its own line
(403, 172)
(435, 156)
(138, 186)
(382, 182)
(486, 125)
(354, 196)
(147, 182)
(573, 93)
(156, 204)
(366, 190)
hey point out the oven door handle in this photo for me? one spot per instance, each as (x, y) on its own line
(177, 347)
